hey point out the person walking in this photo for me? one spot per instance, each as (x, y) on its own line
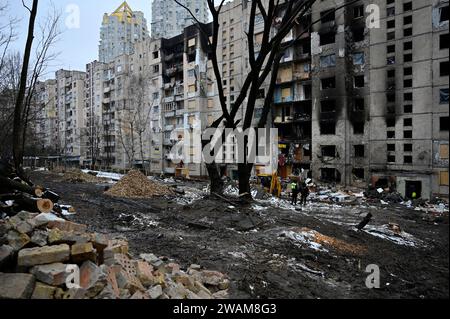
(294, 189)
(304, 190)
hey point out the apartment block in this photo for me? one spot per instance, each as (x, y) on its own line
(169, 18)
(46, 123)
(120, 31)
(70, 97)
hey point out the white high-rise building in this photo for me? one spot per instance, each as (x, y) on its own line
(169, 18)
(120, 31)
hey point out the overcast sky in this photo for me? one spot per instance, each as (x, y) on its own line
(77, 46)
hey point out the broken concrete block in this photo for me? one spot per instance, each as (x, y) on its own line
(53, 274)
(210, 277)
(24, 227)
(6, 254)
(111, 279)
(150, 258)
(57, 236)
(24, 215)
(16, 286)
(90, 274)
(43, 255)
(74, 293)
(17, 240)
(155, 292)
(115, 247)
(172, 268)
(43, 291)
(221, 294)
(43, 219)
(39, 238)
(124, 294)
(192, 295)
(66, 225)
(128, 281)
(201, 290)
(144, 273)
(108, 293)
(59, 293)
(185, 280)
(176, 291)
(83, 252)
(195, 267)
(100, 241)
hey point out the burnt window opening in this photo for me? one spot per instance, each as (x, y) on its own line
(358, 81)
(390, 12)
(407, 147)
(328, 151)
(443, 14)
(391, 158)
(407, 159)
(390, 97)
(443, 96)
(328, 83)
(390, 24)
(328, 106)
(407, 20)
(358, 34)
(327, 38)
(391, 73)
(390, 60)
(261, 94)
(358, 105)
(390, 122)
(358, 173)
(388, 2)
(407, 122)
(358, 12)
(443, 123)
(407, 32)
(444, 41)
(407, 6)
(327, 128)
(391, 48)
(391, 147)
(407, 45)
(358, 128)
(407, 134)
(390, 134)
(359, 150)
(407, 57)
(407, 96)
(390, 36)
(408, 108)
(408, 83)
(330, 175)
(407, 71)
(443, 68)
(307, 89)
(327, 16)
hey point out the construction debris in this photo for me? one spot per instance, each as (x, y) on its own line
(137, 185)
(46, 270)
(75, 175)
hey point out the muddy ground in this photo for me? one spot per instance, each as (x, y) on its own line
(260, 248)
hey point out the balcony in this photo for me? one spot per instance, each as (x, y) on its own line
(169, 99)
(169, 127)
(169, 114)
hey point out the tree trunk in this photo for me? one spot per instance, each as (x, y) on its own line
(18, 110)
(217, 185)
(244, 171)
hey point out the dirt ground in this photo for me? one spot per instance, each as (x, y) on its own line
(265, 247)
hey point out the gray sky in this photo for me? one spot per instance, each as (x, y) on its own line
(77, 46)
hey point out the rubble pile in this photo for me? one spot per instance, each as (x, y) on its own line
(46, 257)
(137, 185)
(75, 175)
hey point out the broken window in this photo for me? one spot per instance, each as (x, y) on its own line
(407, 122)
(390, 12)
(327, 128)
(327, 106)
(407, 108)
(358, 58)
(358, 173)
(407, 96)
(328, 83)
(390, 24)
(444, 41)
(407, 20)
(391, 73)
(390, 97)
(408, 83)
(358, 81)
(358, 12)
(407, 134)
(327, 16)
(358, 104)
(359, 150)
(390, 134)
(328, 151)
(407, 32)
(443, 14)
(390, 35)
(390, 122)
(407, 71)
(391, 158)
(358, 34)
(407, 159)
(407, 148)
(407, 6)
(330, 175)
(444, 68)
(358, 128)
(261, 94)
(391, 48)
(443, 123)
(391, 147)
(328, 61)
(407, 45)
(327, 38)
(443, 96)
(390, 60)
(407, 57)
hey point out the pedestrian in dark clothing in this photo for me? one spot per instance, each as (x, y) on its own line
(295, 190)
(304, 190)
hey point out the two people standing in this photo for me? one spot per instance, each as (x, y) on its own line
(299, 188)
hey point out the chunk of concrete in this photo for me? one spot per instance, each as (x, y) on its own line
(67, 226)
(155, 292)
(53, 274)
(39, 237)
(43, 255)
(144, 273)
(43, 291)
(16, 286)
(6, 254)
(17, 240)
(83, 252)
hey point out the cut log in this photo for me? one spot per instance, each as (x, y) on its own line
(38, 205)
(8, 185)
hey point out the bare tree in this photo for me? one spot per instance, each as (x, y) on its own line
(279, 18)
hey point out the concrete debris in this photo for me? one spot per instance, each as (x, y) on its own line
(59, 250)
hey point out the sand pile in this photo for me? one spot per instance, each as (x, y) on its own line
(137, 185)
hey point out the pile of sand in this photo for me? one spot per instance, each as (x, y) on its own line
(137, 185)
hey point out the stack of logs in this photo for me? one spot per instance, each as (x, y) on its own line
(17, 194)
